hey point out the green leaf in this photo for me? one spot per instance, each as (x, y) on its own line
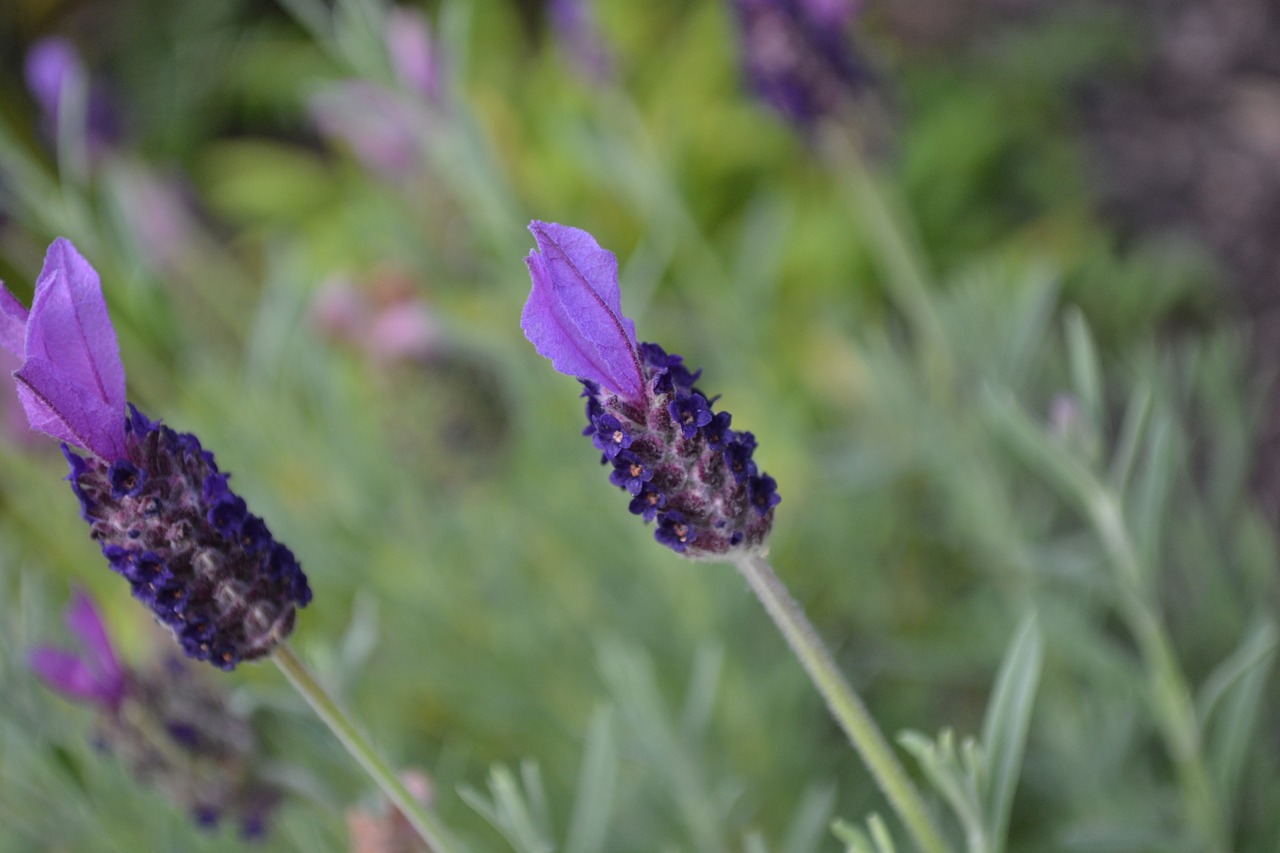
(1004, 730)
(1228, 703)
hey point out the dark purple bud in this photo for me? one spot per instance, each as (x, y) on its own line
(611, 437)
(737, 455)
(675, 531)
(717, 432)
(647, 503)
(763, 491)
(630, 473)
(690, 414)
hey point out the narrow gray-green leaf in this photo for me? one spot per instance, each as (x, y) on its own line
(1004, 731)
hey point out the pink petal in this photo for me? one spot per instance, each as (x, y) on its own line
(73, 383)
(13, 322)
(574, 313)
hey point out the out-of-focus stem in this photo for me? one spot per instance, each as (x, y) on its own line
(843, 702)
(426, 824)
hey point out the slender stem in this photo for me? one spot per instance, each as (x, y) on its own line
(1174, 708)
(844, 703)
(426, 824)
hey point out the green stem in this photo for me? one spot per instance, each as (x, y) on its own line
(1174, 708)
(426, 824)
(844, 703)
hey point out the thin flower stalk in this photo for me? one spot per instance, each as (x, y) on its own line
(424, 822)
(684, 467)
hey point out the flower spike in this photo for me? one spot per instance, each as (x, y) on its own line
(677, 458)
(154, 498)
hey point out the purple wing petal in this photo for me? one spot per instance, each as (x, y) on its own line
(13, 322)
(67, 674)
(84, 621)
(574, 313)
(69, 412)
(72, 383)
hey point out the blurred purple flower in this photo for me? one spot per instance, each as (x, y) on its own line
(682, 465)
(413, 52)
(575, 25)
(574, 313)
(797, 57)
(379, 127)
(93, 675)
(53, 69)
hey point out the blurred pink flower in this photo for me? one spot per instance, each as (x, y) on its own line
(379, 127)
(413, 52)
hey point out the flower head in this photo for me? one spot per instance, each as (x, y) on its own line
(677, 458)
(173, 730)
(796, 57)
(54, 73)
(576, 28)
(94, 675)
(154, 498)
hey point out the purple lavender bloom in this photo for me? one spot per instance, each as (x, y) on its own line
(413, 52)
(610, 437)
(94, 675)
(53, 68)
(691, 412)
(683, 466)
(796, 56)
(630, 472)
(154, 498)
(173, 731)
(576, 28)
(378, 125)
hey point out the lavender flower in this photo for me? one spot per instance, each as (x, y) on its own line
(380, 127)
(53, 69)
(576, 28)
(94, 676)
(676, 457)
(413, 52)
(174, 731)
(796, 56)
(154, 498)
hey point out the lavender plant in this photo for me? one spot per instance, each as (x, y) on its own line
(206, 568)
(684, 467)
(171, 727)
(193, 554)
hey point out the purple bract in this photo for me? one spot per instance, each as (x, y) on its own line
(94, 675)
(678, 459)
(574, 313)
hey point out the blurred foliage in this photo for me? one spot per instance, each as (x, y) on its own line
(965, 386)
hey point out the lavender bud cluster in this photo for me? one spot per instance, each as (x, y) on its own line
(205, 566)
(681, 463)
(176, 735)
